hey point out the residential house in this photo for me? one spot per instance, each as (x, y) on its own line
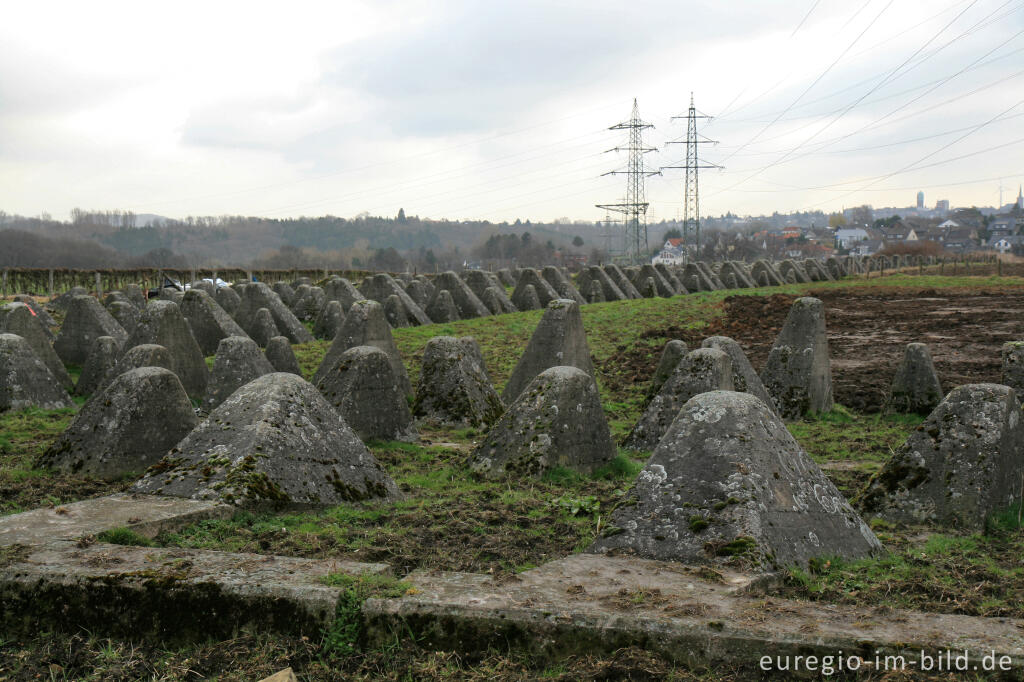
(845, 237)
(672, 253)
(1013, 242)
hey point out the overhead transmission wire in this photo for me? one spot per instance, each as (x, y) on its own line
(983, 23)
(815, 82)
(915, 164)
(857, 101)
(448, 174)
(346, 171)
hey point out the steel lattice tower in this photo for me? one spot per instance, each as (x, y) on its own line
(634, 207)
(691, 188)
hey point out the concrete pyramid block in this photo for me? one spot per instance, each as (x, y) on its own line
(258, 295)
(17, 319)
(469, 305)
(454, 387)
(729, 484)
(86, 320)
(418, 293)
(585, 282)
(44, 317)
(963, 463)
(700, 371)
(276, 442)
(525, 298)
(561, 284)
(648, 288)
(620, 280)
(744, 378)
(545, 292)
(285, 292)
(798, 374)
(208, 321)
(765, 275)
(363, 388)
(238, 361)
(136, 296)
(710, 274)
(742, 279)
(1012, 356)
(365, 325)
(480, 282)
(506, 277)
(281, 356)
(163, 324)
(341, 290)
(25, 380)
(558, 340)
(396, 313)
(915, 388)
(671, 355)
(596, 293)
(143, 355)
(126, 314)
(63, 302)
(99, 367)
(262, 328)
(381, 286)
(557, 421)
(329, 321)
(126, 428)
(228, 299)
(443, 309)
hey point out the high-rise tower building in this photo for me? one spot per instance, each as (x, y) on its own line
(920, 199)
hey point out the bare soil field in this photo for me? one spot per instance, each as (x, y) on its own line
(868, 329)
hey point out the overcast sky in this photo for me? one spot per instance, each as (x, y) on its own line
(499, 109)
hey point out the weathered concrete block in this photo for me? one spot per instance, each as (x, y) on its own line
(208, 321)
(798, 374)
(558, 340)
(963, 463)
(1013, 366)
(329, 321)
(228, 299)
(17, 318)
(365, 325)
(99, 368)
(163, 324)
(729, 484)
(238, 361)
(280, 354)
(465, 300)
(86, 320)
(674, 351)
(556, 422)
(443, 309)
(25, 380)
(700, 371)
(915, 388)
(525, 298)
(126, 314)
(262, 328)
(126, 428)
(258, 295)
(454, 387)
(363, 388)
(545, 292)
(744, 378)
(274, 441)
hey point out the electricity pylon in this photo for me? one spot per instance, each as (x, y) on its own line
(634, 207)
(691, 188)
